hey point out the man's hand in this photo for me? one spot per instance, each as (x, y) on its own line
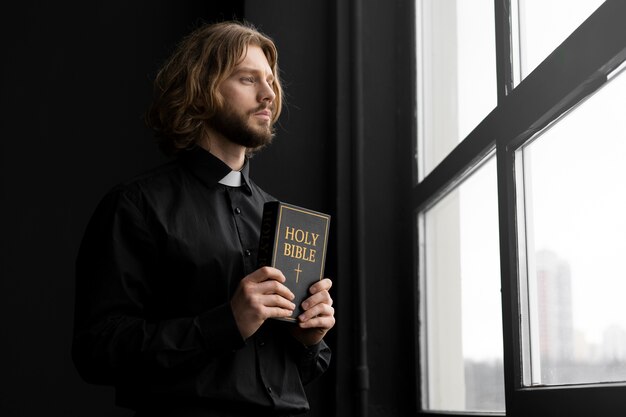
(319, 315)
(259, 296)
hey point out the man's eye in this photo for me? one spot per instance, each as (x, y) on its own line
(248, 80)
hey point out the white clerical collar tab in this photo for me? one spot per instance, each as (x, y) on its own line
(233, 179)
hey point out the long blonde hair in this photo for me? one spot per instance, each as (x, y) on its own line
(186, 88)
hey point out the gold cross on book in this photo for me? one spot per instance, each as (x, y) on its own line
(298, 270)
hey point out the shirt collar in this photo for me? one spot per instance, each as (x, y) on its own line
(232, 179)
(210, 169)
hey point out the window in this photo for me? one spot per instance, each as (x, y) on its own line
(548, 151)
(461, 297)
(574, 200)
(456, 74)
(540, 26)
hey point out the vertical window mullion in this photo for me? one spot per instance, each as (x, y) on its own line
(511, 324)
(506, 202)
(504, 67)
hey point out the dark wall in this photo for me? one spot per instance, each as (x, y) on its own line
(388, 98)
(374, 125)
(76, 79)
(297, 165)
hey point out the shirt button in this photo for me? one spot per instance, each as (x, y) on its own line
(247, 252)
(269, 389)
(237, 210)
(261, 343)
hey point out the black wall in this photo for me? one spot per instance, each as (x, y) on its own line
(76, 79)
(374, 125)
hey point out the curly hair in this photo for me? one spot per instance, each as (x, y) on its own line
(186, 88)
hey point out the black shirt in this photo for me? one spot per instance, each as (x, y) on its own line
(158, 265)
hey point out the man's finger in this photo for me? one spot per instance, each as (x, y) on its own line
(322, 285)
(318, 298)
(275, 300)
(278, 312)
(265, 273)
(318, 310)
(323, 323)
(275, 287)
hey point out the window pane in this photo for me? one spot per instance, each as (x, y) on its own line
(461, 302)
(574, 197)
(543, 25)
(456, 80)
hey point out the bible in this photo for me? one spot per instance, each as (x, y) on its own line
(294, 240)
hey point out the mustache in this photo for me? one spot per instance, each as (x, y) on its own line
(262, 107)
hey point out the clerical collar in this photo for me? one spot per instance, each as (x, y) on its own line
(232, 179)
(209, 168)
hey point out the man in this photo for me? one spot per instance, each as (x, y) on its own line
(170, 307)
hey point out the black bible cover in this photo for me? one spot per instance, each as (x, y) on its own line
(294, 239)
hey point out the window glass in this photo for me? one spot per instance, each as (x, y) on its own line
(543, 25)
(456, 79)
(461, 300)
(574, 201)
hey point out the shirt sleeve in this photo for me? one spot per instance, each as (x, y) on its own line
(112, 335)
(313, 361)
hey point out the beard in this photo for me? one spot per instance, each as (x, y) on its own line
(237, 128)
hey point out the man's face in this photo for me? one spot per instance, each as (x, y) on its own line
(249, 98)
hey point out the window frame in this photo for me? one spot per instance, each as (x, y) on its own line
(578, 67)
